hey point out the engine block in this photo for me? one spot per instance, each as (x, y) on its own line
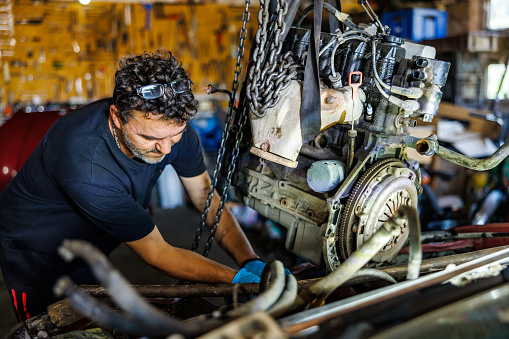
(333, 192)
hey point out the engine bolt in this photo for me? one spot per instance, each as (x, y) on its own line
(330, 100)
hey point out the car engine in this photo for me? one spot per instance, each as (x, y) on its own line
(333, 190)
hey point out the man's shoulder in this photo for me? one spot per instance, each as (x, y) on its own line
(82, 122)
(88, 113)
(76, 138)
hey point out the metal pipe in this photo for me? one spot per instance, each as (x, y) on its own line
(104, 315)
(222, 290)
(123, 294)
(287, 298)
(340, 42)
(475, 164)
(323, 288)
(488, 207)
(415, 253)
(313, 317)
(265, 277)
(430, 146)
(352, 135)
(268, 297)
(179, 291)
(373, 273)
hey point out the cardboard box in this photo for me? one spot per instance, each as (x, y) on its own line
(479, 42)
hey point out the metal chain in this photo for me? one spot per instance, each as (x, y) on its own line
(271, 73)
(220, 155)
(231, 170)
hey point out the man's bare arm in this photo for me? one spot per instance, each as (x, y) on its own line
(229, 236)
(179, 263)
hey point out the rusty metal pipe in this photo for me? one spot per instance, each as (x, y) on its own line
(267, 298)
(323, 288)
(414, 234)
(103, 314)
(430, 146)
(223, 290)
(121, 292)
(352, 134)
(286, 300)
(314, 317)
(374, 273)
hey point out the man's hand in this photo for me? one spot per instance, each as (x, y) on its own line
(256, 266)
(244, 277)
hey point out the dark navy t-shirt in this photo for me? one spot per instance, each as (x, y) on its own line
(78, 184)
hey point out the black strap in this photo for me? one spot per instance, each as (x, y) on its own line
(310, 119)
(334, 23)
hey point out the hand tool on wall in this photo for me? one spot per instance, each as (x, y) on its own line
(148, 16)
(221, 31)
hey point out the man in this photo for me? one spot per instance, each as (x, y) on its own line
(91, 178)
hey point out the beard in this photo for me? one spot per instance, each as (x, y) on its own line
(142, 154)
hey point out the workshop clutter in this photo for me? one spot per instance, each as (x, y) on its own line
(417, 24)
(69, 52)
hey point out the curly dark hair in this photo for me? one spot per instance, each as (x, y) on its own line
(147, 69)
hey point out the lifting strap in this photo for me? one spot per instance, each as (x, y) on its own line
(310, 119)
(334, 23)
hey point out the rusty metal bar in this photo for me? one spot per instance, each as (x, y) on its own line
(306, 319)
(222, 290)
(429, 146)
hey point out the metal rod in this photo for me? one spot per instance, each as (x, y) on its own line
(318, 292)
(414, 225)
(286, 300)
(125, 296)
(430, 146)
(267, 298)
(475, 164)
(352, 134)
(106, 316)
(313, 317)
(223, 290)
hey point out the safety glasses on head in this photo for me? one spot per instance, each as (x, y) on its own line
(155, 91)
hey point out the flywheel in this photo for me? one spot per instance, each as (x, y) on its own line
(378, 194)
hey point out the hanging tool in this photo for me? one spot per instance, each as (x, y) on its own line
(148, 16)
(193, 33)
(220, 32)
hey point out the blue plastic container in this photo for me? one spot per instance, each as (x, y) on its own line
(417, 24)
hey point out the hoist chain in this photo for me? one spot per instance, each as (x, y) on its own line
(271, 73)
(226, 135)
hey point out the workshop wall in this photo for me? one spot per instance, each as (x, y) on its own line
(68, 52)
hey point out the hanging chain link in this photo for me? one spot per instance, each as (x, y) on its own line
(272, 72)
(226, 135)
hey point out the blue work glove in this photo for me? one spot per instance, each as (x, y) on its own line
(256, 266)
(245, 277)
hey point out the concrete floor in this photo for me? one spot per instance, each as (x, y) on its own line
(178, 227)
